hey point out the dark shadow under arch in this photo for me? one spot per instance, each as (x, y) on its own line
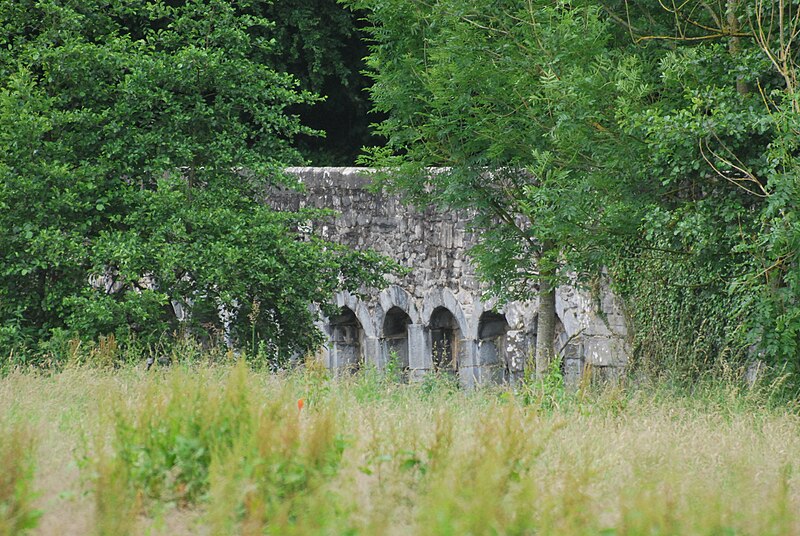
(347, 340)
(492, 328)
(395, 337)
(445, 339)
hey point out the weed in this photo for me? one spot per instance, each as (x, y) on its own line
(394, 369)
(545, 392)
(437, 383)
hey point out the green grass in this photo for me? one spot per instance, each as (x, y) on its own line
(224, 450)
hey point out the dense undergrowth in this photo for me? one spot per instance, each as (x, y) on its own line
(223, 449)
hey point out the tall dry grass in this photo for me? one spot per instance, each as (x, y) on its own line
(223, 450)
(17, 512)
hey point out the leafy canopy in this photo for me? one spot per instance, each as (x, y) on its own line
(138, 139)
(657, 139)
(518, 103)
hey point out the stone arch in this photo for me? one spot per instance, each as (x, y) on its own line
(354, 303)
(492, 324)
(444, 298)
(395, 336)
(449, 339)
(346, 340)
(395, 296)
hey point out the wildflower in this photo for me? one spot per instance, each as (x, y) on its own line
(300, 403)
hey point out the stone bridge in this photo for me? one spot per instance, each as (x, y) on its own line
(434, 318)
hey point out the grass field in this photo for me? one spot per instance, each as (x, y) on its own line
(223, 450)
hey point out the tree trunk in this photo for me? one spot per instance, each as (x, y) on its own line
(733, 47)
(546, 320)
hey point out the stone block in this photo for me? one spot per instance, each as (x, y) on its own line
(467, 376)
(573, 368)
(417, 375)
(467, 352)
(605, 352)
(372, 352)
(489, 374)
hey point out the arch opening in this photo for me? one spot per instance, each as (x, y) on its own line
(347, 340)
(492, 328)
(395, 337)
(445, 336)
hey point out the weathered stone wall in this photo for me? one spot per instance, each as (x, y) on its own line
(434, 316)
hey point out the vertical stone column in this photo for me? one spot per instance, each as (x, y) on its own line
(517, 355)
(419, 355)
(333, 356)
(468, 366)
(572, 356)
(373, 352)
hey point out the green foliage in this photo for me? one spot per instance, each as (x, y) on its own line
(187, 440)
(437, 384)
(683, 315)
(712, 276)
(394, 371)
(547, 391)
(518, 105)
(658, 141)
(126, 132)
(394, 457)
(115, 505)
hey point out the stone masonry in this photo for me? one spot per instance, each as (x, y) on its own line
(434, 318)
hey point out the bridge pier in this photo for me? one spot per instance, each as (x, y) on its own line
(518, 352)
(417, 361)
(372, 352)
(469, 367)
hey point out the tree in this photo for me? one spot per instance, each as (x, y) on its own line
(719, 246)
(657, 139)
(137, 143)
(517, 104)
